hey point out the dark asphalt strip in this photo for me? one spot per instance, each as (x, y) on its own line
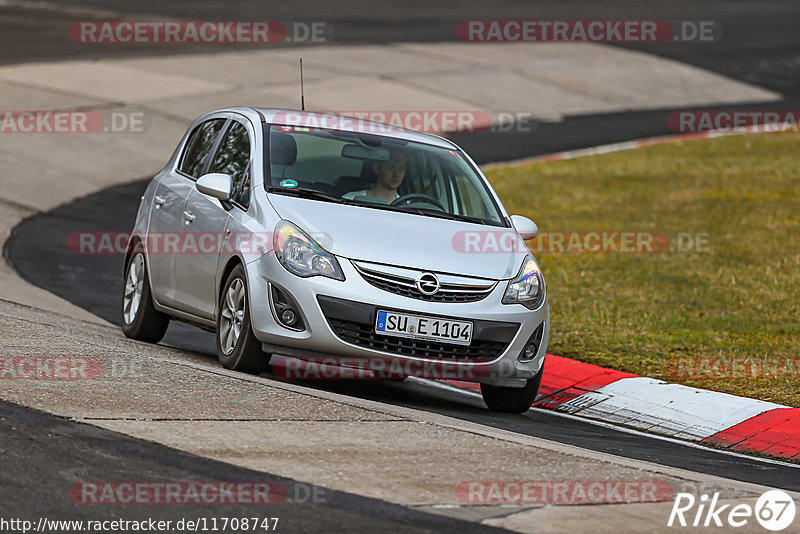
(39, 253)
(44, 456)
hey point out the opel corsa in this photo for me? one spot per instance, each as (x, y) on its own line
(314, 236)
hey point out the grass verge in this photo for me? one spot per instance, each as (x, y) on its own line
(717, 305)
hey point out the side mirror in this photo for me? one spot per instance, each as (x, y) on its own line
(216, 185)
(525, 227)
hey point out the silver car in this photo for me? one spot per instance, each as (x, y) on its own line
(331, 239)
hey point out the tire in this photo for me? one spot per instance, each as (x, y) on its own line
(512, 400)
(138, 317)
(242, 352)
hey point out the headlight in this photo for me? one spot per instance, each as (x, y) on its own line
(301, 255)
(528, 287)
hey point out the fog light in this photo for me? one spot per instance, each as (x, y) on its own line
(288, 317)
(530, 352)
(285, 309)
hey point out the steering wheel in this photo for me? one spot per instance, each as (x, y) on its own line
(406, 199)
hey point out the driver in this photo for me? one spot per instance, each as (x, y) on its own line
(390, 176)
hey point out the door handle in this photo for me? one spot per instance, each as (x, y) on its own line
(158, 201)
(188, 217)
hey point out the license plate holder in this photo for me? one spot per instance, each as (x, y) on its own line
(424, 328)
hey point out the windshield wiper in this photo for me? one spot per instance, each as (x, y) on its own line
(303, 192)
(443, 215)
(424, 212)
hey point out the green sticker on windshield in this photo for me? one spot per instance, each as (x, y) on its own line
(288, 183)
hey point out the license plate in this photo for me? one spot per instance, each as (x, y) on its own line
(423, 328)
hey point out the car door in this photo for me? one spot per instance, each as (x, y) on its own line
(166, 219)
(207, 218)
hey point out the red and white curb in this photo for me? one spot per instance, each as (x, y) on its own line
(672, 410)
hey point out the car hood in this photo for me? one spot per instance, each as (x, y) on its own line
(406, 240)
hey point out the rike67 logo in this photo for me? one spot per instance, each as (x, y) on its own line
(774, 510)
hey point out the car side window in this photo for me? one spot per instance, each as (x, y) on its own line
(233, 158)
(243, 197)
(199, 147)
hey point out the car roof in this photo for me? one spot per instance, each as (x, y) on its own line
(333, 121)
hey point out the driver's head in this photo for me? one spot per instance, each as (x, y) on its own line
(391, 173)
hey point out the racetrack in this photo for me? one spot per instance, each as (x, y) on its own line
(183, 400)
(94, 282)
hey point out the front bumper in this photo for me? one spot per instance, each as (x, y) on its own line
(339, 319)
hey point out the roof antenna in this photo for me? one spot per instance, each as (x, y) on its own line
(302, 95)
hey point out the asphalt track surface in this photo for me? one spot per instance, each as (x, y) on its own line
(45, 455)
(760, 45)
(38, 250)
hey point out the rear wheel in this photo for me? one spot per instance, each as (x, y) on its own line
(512, 400)
(139, 318)
(237, 347)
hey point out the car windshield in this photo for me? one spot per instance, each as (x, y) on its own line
(379, 172)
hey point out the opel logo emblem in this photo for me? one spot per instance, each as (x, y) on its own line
(428, 284)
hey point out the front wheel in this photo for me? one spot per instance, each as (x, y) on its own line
(140, 319)
(512, 400)
(237, 347)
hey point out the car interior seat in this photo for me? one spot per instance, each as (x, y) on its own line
(345, 184)
(283, 153)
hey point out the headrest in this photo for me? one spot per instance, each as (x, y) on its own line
(367, 172)
(283, 149)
